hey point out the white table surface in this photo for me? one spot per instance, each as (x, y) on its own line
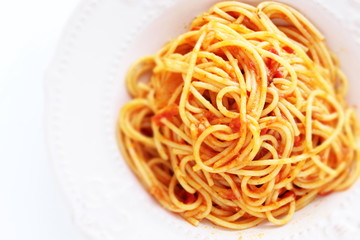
(32, 205)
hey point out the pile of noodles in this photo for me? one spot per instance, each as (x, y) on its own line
(242, 118)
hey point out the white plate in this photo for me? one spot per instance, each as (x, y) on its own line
(85, 89)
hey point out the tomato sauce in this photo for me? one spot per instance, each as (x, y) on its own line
(235, 124)
(273, 66)
(288, 49)
(297, 141)
(186, 197)
(167, 113)
(195, 28)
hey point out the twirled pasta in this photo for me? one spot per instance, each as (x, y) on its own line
(243, 118)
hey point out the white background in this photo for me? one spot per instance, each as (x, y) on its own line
(32, 206)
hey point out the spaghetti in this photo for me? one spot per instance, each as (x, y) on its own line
(243, 118)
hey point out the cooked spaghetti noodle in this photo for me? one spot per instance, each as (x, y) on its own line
(243, 118)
